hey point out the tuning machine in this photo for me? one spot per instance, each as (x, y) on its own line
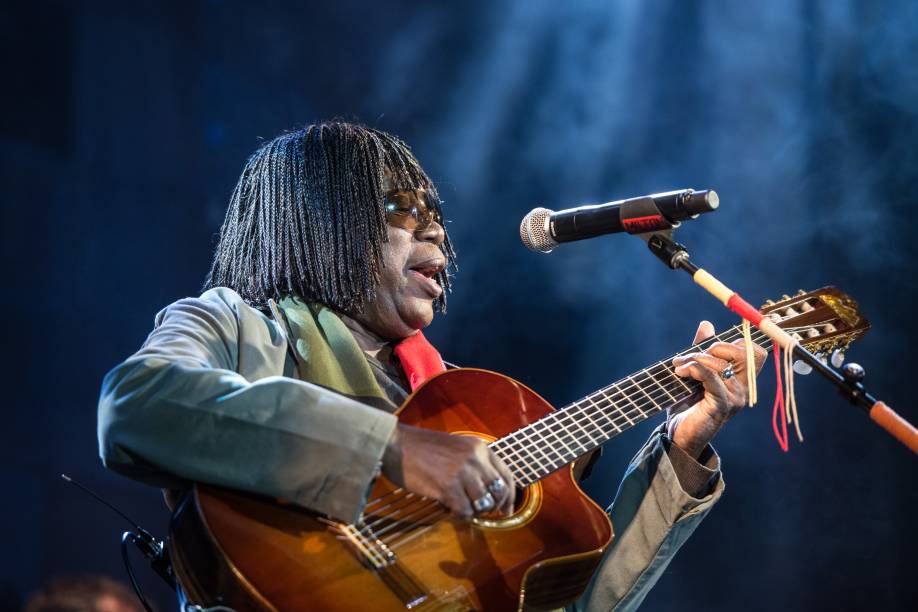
(853, 373)
(802, 368)
(838, 358)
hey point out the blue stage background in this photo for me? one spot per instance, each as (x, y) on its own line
(125, 125)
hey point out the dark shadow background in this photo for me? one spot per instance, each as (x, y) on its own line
(124, 127)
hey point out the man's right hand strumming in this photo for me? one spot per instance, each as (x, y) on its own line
(455, 470)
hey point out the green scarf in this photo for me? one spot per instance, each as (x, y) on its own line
(327, 353)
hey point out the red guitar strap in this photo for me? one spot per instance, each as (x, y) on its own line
(420, 360)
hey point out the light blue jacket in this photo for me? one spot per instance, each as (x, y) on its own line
(211, 396)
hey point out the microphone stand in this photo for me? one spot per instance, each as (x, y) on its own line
(849, 382)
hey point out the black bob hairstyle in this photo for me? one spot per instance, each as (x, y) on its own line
(307, 217)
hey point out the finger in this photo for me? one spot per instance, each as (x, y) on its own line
(711, 362)
(493, 471)
(509, 494)
(458, 501)
(759, 353)
(476, 488)
(735, 353)
(705, 330)
(706, 375)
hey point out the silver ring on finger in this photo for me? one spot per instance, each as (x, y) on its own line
(497, 486)
(484, 503)
(728, 372)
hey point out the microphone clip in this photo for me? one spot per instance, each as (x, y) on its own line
(671, 253)
(643, 216)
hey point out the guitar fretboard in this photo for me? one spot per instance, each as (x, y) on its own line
(559, 438)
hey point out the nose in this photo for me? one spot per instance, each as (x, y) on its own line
(433, 233)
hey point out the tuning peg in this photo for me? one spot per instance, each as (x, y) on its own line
(802, 367)
(853, 372)
(768, 303)
(822, 358)
(801, 292)
(838, 358)
(785, 297)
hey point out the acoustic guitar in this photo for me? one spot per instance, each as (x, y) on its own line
(409, 553)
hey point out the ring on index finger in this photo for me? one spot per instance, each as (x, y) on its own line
(728, 372)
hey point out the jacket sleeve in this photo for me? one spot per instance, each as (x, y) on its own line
(178, 411)
(654, 513)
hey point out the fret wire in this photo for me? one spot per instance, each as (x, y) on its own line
(578, 413)
(558, 418)
(670, 370)
(578, 409)
(561, 415)
(582, 421)
(523, 463)
(653, 378)
(546, 424)
(611, 417)
(576, 422)
(600, 411)
(618, 410)
(596, 411)
(539, 447)
(547, 428)
(530, 447)
(629, 398)
(635, 383)
(514, 465)
(640, 408)
(641, 414)
(605, 434)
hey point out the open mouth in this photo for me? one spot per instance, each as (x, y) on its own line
(429, 268)
(426, 273)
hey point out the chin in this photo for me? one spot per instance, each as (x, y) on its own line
(420, 316)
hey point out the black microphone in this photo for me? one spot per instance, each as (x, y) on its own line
(542, 229)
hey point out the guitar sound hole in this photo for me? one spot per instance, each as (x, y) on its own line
(519, 502)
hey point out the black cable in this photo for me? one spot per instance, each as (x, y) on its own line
(130, 536)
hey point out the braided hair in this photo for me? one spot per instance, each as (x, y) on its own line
(307, 217)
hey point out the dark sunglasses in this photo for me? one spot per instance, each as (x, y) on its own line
(406, 210)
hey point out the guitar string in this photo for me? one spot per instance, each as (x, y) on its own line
(400, 538)
(588, 406)
(577, 410)
(572, 437)
(512, 464)
(586, 409)
(592, 408)
(411, 536)
(407, 536)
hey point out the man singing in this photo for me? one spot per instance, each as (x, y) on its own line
(282, 377)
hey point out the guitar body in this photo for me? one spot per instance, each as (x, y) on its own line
(251, 553)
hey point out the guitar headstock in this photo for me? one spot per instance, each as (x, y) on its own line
(823, 320)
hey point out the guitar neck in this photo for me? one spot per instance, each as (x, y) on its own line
(568, 433)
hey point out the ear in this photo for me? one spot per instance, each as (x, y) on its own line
(705, 331)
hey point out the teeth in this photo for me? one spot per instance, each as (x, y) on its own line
(428, 272)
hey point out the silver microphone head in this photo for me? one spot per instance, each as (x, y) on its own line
(535, 233)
